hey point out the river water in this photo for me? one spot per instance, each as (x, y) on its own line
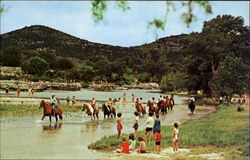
(30, 138)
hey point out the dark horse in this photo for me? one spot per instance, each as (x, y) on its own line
(92, 112)
(48, 111)
(171, 104)
(191, 106)
(108, 111)
(140, 109)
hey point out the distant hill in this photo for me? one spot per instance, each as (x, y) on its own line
(43, 38)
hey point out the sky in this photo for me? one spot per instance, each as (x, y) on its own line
(118, 28)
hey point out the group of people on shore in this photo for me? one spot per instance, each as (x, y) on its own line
(153, 129)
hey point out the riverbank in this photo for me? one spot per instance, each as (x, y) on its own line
(225, 132)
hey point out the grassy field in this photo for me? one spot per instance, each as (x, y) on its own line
(27, 110)
(225, 131)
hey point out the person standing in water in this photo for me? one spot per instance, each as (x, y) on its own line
(124, 97)
(133, 98)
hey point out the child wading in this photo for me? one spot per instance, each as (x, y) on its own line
(175, 137)
(158, 140)
(136, 125)
(124, 146)
(119, 124)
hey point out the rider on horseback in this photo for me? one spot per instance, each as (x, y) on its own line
(93, 103)
(53, 102)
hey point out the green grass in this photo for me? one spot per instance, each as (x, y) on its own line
(27, 110)
(225, 128)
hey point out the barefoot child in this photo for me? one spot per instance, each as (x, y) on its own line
(136, 125)
(119, 124)
(175, 137)
(142, 146)
(124, 146)
(132, 142)
(158, 141)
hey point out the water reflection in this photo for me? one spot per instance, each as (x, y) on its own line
(51, 127)
(91, 126)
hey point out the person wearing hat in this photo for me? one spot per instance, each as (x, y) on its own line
(53, 103)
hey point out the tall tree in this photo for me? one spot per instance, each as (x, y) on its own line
(204, 51)
(230, 77)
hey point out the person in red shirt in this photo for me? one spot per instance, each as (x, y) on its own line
(158, 141)
(124, 146)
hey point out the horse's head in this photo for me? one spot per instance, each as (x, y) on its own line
(84, 107)
(42, 103)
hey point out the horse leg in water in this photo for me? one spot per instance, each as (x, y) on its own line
(50, 119)
(56, 117)
(43, 117)
(97, 116)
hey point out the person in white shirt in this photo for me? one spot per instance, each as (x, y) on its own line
(149, 126)
(53, 102)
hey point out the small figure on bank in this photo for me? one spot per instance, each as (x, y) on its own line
(221, 99)
(142, 146)
(149, 126)
(158, 140)
(119, 124)
(157, 124)
(175, 137)
(136, 125)
(124, 146)
(132, 142)
(7, 92)
(18, 91)
(53, 102)
(73, 100)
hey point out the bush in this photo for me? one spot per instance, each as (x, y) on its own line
(63, 63)
(7, 77)
(144, 77)
(85, 84)
(59, 79)
(10, 57)
(35, 65)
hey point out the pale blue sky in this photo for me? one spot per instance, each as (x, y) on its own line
(118, 28)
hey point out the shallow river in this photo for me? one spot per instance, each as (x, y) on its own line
(29, 138)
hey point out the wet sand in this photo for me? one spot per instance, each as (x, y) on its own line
(31, 138)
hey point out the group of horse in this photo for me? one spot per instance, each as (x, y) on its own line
(161, 107)
(109, 111)
(90, 111)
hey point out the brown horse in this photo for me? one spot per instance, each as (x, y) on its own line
(140, 109)
(92, 112)
(48, 111)
(151, 107)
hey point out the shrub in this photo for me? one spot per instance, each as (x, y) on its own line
(35, 65)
